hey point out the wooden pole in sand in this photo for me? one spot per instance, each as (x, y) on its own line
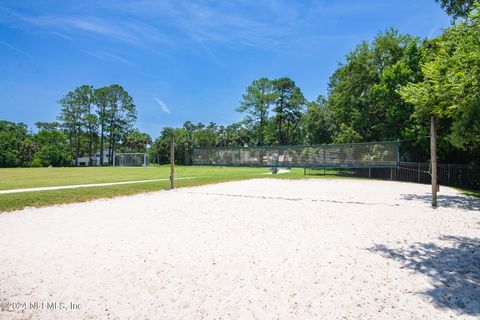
(172, 164)
(433, 154)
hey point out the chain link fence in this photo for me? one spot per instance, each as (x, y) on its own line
(455, 175)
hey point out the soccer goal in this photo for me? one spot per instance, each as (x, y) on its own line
(130, 160)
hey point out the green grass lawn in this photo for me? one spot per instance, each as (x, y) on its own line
(17, 178)
(469, 192)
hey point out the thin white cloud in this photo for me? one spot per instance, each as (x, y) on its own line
(8, 45)
(61, 35)
(108, 56)
(264, 24)
(200, 22)
(130, 30)
(162, 105)
(148, 75)
(107, 29)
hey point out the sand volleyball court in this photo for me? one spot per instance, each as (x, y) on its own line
(256, 249)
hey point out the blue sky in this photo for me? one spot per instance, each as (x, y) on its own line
(184, 60)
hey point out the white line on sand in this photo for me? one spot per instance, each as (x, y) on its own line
(87, 185)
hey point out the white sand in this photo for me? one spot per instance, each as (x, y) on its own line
(257, 249)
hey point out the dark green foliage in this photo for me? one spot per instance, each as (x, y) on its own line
(318, 122)
(135, 141)
(196, 135)
(289, 105)
(52, 149)
(90, 115)
(12, 136)
(456, 8)
(363, 96)
(450, 89)
(286, 101)
(20, 148)
(87, 117)
(257, 102)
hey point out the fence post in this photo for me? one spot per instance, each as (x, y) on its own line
(449, 174)
(418, 173)
(369, 173)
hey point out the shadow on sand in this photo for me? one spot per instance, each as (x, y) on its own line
(454, 270)
(447, 201)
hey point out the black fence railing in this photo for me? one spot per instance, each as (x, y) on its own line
(455, 175)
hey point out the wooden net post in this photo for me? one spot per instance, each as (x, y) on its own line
(433, 153)
(172, 164)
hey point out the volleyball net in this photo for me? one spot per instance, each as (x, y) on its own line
(354, 155)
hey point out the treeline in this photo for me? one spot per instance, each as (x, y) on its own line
(90, 120)
(386, 89)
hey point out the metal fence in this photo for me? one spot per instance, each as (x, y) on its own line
(455, 175)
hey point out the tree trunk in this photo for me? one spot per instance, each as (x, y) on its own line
(90, 142)
(71, 144)
(77, 149)
(280, 131)
(110, 151)
(287, 133)
(111, 142)
(101, 145)
(262, 132)
(113, 148)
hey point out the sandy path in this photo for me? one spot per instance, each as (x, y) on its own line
(257, 249)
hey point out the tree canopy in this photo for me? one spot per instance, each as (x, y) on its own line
(450, 88)
(457, 8)
(385, 89)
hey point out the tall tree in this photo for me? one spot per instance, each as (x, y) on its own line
(450, 89)
(121, 115)
(103, 102)
(85, 99)
(257, 101)
(72, 116)
(363, 93)
(288, 106)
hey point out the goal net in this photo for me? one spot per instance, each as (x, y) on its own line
(130, 160)
(354, 155)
